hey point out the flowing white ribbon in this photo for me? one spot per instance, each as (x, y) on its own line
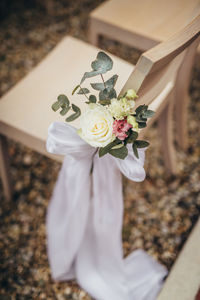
(84, 222)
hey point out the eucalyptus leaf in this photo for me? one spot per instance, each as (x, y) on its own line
(62, 102)
(55, 106)
(107, 94)
(141, 108)
(132, 137)
(83, 91)
(142, 125)
(74, 116)
(99, 86)
(65, 110)
(141, 119)
(102, 63)
(90, 74)
(141, 144)
(110, 83)
(63, 99)
(121, 152)
(104, 102)
(92, 99)
(135, 151)
(148, 114)
(105, 150)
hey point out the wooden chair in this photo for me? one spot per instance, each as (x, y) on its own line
(143, 24)
(25, 111)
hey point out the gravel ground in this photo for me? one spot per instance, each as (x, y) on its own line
(159, 213)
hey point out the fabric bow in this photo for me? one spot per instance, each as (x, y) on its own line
(84, 222)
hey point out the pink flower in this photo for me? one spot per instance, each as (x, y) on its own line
(120, 127)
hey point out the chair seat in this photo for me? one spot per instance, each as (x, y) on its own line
(155, 20)
(25, 111)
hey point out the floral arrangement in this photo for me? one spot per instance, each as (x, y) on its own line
(110, 122)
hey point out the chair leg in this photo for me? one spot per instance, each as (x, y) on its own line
(182, 97)
(4, 167)
(166, 129)
(93, 33)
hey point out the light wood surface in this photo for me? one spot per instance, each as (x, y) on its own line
(147, 21)
(25, 111)
(183, 281)
(142, 24)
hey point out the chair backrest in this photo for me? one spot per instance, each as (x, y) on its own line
(158, 66)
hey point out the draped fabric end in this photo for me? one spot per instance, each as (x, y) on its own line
(84, 222)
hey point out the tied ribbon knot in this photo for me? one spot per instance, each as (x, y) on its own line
(84, 222)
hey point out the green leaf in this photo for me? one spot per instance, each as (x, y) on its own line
(110, 83)
(121, 152)
(92, 99)
(74, 90)
(65, 110)
(97, 86)
(102, 63)
(132, 137)
(104, 150)
(135, 151)
(142, 125)
(141, 108)
(141, 144)
(90, 74)
(63, 99)
(83, 91)
(104, 102)
(74, 116)
(62, 102)
(141, 119)
(148, 114)
(107, 94)
(55, 106)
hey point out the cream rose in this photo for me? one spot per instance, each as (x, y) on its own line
(96, 126)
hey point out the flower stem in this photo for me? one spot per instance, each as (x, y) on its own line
(84, 93)
(103, 80)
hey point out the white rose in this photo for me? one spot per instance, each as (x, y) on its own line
(96, 126)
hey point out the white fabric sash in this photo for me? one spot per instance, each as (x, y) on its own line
(84, 222)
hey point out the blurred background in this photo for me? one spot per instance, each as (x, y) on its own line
(159, 212)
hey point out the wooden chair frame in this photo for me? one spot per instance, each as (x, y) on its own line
(153, 78)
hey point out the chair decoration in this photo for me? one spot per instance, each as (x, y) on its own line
(85, 215)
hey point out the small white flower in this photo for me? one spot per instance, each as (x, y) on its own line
(131, 94)
(119, 109)
(96, 126)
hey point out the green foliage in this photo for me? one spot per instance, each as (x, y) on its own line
(121, 152)
(142, 114)
(132, 136)
(63, 103)
(107, 94)
(110, 83)
(135, 151)
(106, 149)
(74, 116)
(101, 65)
(141, 144)
(92, 99)
(104, 102)
(83, 91)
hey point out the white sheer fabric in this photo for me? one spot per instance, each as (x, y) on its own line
(84, 222)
